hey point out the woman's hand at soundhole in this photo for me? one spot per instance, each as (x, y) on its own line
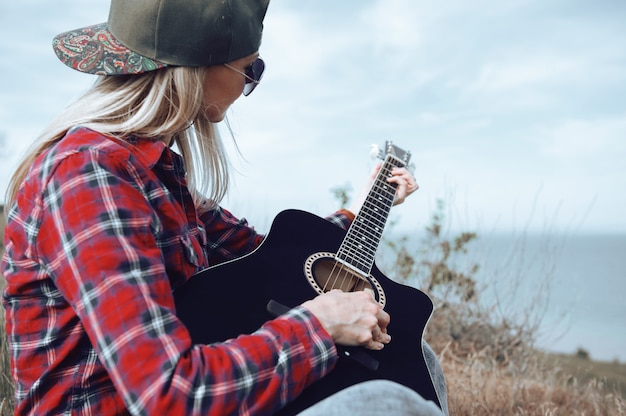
(352, 318)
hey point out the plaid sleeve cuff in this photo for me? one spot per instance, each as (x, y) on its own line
(342, 218)
(324, 352)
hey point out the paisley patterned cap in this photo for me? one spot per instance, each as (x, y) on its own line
(95, 50)
(145, 35)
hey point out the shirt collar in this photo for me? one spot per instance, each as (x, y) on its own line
(153, 152)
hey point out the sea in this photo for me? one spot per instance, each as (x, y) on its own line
(572, 287)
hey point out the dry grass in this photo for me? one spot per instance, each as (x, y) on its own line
(479, 386)
(494, 369)
(583, 370)
(490, 370)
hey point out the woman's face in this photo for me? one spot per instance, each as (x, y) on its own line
(222, 86)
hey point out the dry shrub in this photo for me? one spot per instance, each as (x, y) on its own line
(488, 354)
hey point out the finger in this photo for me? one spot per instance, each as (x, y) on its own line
(378, 335)
(403, 191)
(405, 182)
(377, 343)
(406, 176)
(400, 196)
(409, 184)
(383, 320)
(373, 343)
(401, 185)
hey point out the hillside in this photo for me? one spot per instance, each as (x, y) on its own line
(489, 370)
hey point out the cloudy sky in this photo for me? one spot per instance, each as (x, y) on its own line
(514, 111)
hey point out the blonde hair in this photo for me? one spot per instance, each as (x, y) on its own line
(157, 105)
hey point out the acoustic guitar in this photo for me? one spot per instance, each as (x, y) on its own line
(302, 256)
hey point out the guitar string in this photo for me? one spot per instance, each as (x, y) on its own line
(371, 210)
(339, 271)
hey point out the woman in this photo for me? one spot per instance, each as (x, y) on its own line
(106, 220)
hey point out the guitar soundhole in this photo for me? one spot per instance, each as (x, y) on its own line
(325, 273)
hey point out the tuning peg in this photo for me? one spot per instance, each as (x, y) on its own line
(374, 151)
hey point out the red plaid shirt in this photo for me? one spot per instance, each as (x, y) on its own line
(100, 235)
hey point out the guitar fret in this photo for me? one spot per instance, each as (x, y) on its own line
(363, 238)
(362, 265)
(361, 252)
(369, 242)
(361, 245)
(367, 238)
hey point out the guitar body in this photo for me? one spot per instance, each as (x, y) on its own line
(231, 299)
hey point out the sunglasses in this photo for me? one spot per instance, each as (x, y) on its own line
(253, 74)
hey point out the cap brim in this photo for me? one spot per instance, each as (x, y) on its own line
(94, 50)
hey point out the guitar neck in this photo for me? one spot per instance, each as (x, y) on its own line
(358, 249)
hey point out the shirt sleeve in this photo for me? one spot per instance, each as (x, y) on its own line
(229, 237)
(342, 218)
(98, 240)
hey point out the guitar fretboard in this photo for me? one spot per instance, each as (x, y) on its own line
(359, 247)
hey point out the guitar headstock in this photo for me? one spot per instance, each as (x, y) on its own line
(392, 150)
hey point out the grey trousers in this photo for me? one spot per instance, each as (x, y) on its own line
(383, 397)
